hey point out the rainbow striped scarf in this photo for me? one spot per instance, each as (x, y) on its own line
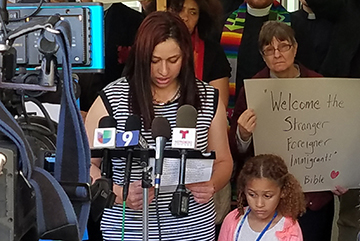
(231, 40)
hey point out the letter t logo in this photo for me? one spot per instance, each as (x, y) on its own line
(184, 133)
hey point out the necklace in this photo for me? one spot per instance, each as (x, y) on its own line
(175, 96)
(262, 232)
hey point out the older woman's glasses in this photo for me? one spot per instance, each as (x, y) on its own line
(271, 50)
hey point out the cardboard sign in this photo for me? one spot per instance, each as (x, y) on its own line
(313, 124)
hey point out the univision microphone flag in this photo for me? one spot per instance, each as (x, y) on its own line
(104, 137)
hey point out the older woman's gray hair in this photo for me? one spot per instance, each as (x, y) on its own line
(281, 31)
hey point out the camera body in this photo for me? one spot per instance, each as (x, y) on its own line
(86, 21)
(22, 57)
(17, 202)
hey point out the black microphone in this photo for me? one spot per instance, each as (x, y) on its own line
(184, 138)
(105, 134)
(130, 139)
(110, 123)
(161, 133)
(101, 190)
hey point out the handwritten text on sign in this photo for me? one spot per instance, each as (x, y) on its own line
(314, 124)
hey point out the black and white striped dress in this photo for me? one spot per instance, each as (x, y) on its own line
(199, 224)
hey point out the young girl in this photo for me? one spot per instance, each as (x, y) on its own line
(274, 200)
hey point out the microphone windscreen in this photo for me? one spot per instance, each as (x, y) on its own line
(160, 127)
(186, 116)
(107, 122)
(133, 123)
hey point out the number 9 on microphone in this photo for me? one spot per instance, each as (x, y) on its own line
(127, 138)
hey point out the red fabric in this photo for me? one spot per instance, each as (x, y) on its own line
(199, 49)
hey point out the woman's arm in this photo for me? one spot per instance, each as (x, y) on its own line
(134, 200)
(96, 112)
(218, 142)
(222, 85)
(223, 164)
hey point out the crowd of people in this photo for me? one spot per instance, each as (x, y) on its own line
(198, 52)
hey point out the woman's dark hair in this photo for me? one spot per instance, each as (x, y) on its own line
(272, 167)
(156, 28)
(281, 31)
(209, 16)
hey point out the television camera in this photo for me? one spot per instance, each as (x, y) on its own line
(33, 69)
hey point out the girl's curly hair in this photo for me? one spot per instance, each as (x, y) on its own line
(292, 201)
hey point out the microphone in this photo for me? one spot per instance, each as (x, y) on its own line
(101, 190)
(130, 139)
(184, 138)
(184, 134)
(105, 134)
(105, 138)
(161, 133)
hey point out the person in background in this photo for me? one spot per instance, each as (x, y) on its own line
(274, 201)
(329, 43)
(278, 47)
(343, 57)
(229, 6)
(147, 6)
(239, 40)
(120, 27)
(202, 17)
(159, 78)
(313, 35)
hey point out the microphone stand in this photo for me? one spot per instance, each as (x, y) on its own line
(182, 167)
(144, 155)
(146, 184)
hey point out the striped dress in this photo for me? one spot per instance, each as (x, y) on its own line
(199, 224)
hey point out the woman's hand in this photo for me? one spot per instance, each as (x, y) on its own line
(339, 190)
(246, 123)
(135, 197)
(202, 191)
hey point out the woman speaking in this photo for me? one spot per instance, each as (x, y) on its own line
(159, 79)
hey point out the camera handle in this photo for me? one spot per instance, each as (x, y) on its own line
(49, 61)
(8, 53)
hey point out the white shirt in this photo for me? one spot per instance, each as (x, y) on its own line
(258, 12)
(247, 234)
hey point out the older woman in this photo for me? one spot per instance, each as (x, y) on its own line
(278, 48)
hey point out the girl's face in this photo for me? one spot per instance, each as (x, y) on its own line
(190, 14)
(263, 196)
(166, 64)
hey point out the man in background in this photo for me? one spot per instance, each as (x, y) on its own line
(240, 40)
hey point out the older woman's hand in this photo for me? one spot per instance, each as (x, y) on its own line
(202, 191)
(246, 124)
(339, 190)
